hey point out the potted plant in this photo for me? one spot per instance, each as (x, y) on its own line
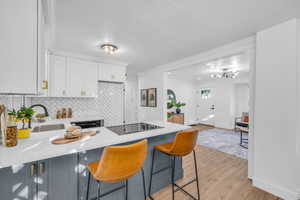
(178, 105)
(24, 115)
(12, 114)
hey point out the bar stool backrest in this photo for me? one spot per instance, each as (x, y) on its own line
(121, 162)
(184, 142)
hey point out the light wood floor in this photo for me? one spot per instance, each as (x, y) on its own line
(222, 177)
(202, 127)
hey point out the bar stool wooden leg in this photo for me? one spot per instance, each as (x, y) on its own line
(88, 186)
(196, 171)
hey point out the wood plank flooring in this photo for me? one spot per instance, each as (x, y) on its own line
(202, 127)
(222, 177)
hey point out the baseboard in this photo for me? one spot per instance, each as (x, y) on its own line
(278, 191)
(195, 124)
(227, 129)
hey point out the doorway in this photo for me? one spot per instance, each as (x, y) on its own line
(205, 106)
(216, 94)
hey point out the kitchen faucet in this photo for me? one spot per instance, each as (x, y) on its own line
(46, 113)
(42, 106)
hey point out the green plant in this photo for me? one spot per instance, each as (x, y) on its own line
(24, 114)
(12, 113)
(176, 104)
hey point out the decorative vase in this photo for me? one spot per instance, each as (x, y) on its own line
(24, 133)
(178, 110)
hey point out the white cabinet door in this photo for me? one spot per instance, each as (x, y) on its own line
(75, 77)
(120, 73)
(91, 80)
(112, 73)
(81, 78)
(58, 75)
(18, 49)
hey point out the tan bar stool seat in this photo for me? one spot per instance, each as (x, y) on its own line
(118, 163)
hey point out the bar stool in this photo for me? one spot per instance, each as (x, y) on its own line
(183, 145)
(118, 163)
(244, 141)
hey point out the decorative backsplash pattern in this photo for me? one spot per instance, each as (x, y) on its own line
(109, 104)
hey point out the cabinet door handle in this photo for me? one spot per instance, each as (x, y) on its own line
(42, 168)
(33, 169)
(45, 85)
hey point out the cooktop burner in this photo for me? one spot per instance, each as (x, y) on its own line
(132, 128)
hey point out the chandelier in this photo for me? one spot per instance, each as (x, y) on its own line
(225, 74)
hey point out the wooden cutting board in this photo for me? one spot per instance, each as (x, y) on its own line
(69, 140)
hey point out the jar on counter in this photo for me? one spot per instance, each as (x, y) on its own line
(11, 136)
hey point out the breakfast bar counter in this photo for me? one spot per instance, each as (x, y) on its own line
(38, 169)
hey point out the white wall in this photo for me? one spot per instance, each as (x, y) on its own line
(185, 92)
(230, 99)
(153, 79)
(276, 117)
(241, 98)
(131, 99)
(225, 105)
(224, 101)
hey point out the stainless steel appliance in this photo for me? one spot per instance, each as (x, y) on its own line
(89, 124)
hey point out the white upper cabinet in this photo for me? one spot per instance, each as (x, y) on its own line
(81, 78)
(72, 77)
(91, 79)
(18, 49)
(58, 76)
(111, 73)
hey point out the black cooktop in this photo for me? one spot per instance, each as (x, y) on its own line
(132, 128)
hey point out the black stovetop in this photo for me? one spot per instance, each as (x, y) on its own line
(132, 128)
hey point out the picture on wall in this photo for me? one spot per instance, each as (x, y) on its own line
(152, 97)
(144, 97)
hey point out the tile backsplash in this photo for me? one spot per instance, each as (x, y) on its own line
(109, 104)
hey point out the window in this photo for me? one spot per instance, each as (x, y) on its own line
(205, 93)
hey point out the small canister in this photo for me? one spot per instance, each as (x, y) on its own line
(11, 136)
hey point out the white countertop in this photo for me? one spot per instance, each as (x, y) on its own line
(39, 146)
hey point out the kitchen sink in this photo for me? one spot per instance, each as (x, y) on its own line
(49, 127)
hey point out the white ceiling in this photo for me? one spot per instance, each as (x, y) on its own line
(154, 32)
(200, 73)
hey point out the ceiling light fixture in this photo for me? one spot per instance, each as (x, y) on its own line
(226, 74)
(109, 49)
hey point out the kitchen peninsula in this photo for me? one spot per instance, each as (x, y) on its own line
(38, 169)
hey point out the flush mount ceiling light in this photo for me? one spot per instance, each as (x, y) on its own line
(226, 74)
(109, 49)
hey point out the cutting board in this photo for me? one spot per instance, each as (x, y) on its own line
(69, 140)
